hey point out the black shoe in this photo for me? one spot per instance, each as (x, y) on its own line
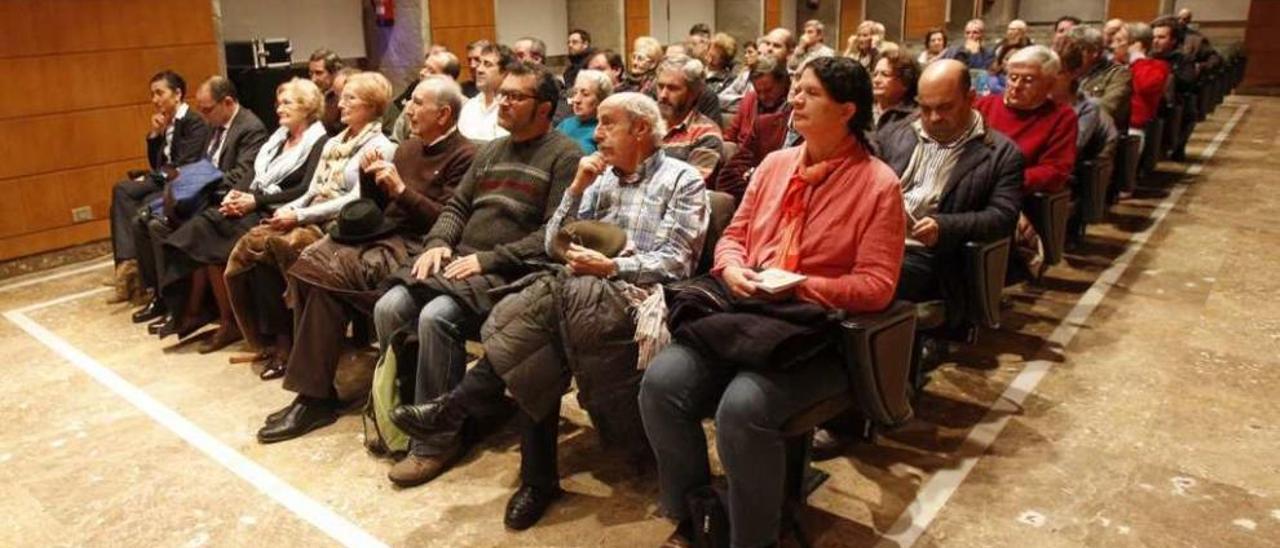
(422, 421)
(153, 310)
(277, 415)
(306, 414)
(1178, 156)
(153, 328)
(274, 369)
(527, 506)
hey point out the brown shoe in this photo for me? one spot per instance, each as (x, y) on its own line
(223, 337)
(417, 470)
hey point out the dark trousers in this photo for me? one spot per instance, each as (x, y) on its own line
(481, 394)
(320, 320)
(918, 280)
(1190, 115)
(127, 197)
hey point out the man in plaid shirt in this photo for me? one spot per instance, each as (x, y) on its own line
(691, 136)
(581, 325)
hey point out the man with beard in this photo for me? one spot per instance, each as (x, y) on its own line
(691, 135)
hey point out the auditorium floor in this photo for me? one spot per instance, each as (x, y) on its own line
(1156, 422)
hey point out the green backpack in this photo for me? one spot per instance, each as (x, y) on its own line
(391, 385)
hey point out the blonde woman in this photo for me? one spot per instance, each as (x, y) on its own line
(646, 53)
(196, 253)
(256, 267)
(863, 45)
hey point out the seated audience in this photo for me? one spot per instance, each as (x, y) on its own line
(691, 135)
(533, 352)
(487, 231)
(698, 40)
(591, 88)
(530, 50)
(720, 54)
(235, 137)
(935, 42)
(474, 49)
(1109, 82)
(178, 136)
(256, 267)
(1109, 31)
(1015, 38)
(760, 127)
(850, 248)
(1045, 131)
(862, 46)
(733, 91)
(893, 85)
(1095, 130)
(338, 280)
(961, 182)
(1150, 76)
(812, 46)
(323, 69)
(1167, 45)
(478, 120)
(395, 121)
(196, 253)
(1063, 26)
(972, 52)
(996, 78)
(646, 53)
(610, 63)
(578, 47)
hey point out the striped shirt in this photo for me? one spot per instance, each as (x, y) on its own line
(663, 209)
(930, 167)
(698, 141)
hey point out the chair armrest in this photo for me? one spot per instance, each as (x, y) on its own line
(877, 357)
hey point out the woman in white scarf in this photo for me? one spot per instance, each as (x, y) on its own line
(255, 273)
(197, 252)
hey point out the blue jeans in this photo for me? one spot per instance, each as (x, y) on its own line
(681, 387)
(443, 329)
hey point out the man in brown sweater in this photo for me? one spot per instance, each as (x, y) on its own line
(338, 279)
(492, 225)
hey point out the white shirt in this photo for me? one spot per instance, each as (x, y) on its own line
(226, 128)
(168, 131)
(479, 122)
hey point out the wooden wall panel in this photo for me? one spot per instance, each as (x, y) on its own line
(636, 13)
(1263, 70)
(1133, 10)
(75, 106)
(922, 15)
(116, 78)
(456, 23)
(772, 15)
(851, 15)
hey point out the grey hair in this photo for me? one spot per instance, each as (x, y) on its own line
(446, 92)
(977, 22)
(604, 84)
(1018, 24)
(639, 105)
(815, 24)
(537, 45)
(1089, 38)
(690, 68)
(1042, 56)
(1140, 32)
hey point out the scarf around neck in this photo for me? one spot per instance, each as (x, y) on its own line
(330, 177)
(271, 169)
(795, 205)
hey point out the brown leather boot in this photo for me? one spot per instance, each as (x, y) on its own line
(126, 281)
(417, 470)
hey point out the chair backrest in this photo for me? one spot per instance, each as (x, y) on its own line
(1092, 176)
(722, 209)
(1153, 143)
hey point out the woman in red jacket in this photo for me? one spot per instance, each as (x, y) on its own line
(828, 210)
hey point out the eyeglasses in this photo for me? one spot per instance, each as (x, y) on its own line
(514, 96)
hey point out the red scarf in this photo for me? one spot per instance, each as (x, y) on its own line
(795, 205)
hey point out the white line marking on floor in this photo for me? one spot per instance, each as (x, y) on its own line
(306, 508)
(60, 300)
(933, 495)
(56, 275)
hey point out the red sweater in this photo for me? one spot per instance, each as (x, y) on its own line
(851, 242)
(1046, 136)
(1149, 78)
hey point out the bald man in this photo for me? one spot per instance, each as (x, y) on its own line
(961, 182)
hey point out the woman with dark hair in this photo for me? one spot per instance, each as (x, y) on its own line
(826, 210)
(893, 84)
(935, 42)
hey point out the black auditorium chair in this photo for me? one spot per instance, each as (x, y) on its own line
(1090, 187)
(1127, 158)
(1151, 150)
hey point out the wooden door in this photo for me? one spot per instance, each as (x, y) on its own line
(922, 15)
(1133, 10)
(456, 23)
(851, 15)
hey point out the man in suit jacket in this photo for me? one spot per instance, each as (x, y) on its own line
(961, 181)
(178, 136)
(236, 135)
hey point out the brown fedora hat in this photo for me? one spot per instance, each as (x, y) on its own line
(608, 239)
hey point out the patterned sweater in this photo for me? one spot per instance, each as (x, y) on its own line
(505, 199)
